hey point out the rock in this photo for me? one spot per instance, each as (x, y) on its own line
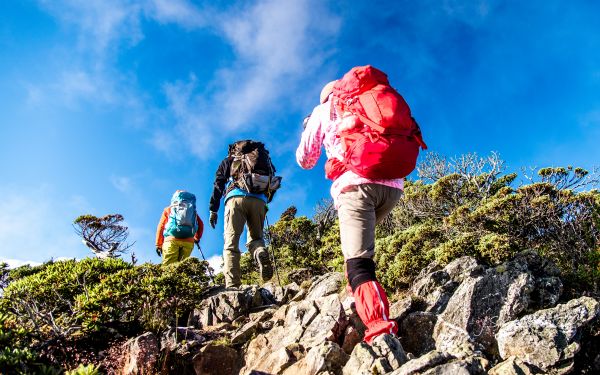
(384, 355)
(463, 267)
(281, 295)
(479, 305)
(389, 348)
(269, 352)
(400, 309)
(511, 366)
(418, 365)
(434, 288)
(352, 337)
(329, 324)
(140, 355)
(548, 338)
(171, 339)
(256, 324)
(330, 283)
(473, 365)
(216, 360)
(300, 275)
(416, 333)
(546, 293)
(226, 306)
(325, 357)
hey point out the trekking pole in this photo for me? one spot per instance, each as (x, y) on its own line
(272, 251)
(209, 271)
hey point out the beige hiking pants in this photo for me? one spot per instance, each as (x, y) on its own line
(240, 211)
(359, 210)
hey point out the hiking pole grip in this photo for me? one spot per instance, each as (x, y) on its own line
(208, 267)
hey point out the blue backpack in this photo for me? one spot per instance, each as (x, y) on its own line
(182, 219)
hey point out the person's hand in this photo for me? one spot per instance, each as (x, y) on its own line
(159, 251)
(213, 219)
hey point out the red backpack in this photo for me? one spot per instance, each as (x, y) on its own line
(379, 136)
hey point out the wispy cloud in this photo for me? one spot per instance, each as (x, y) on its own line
(216, 262)
(29, 228)
(14, 263)
(122, 183)
(275, 52)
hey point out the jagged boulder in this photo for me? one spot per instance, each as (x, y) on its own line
(280, 294)
(471, 365)
(423, 363)
(216, 359)
(324, 285)
(548, 339)
(416, 332)
(222, 305)
(434, 287)
(325, 357)
(140, 355)
(483, 302)
(511, 366)
(298, 327)
(256, 323)
(385, 354)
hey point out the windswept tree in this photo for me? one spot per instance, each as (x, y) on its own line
(106, 236)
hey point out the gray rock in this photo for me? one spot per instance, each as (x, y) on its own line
(421, 364)
(463, 267)
(329, 324)
(416, 333)
(479, 305)
(401, 308)
(511, 366)
(434, 290)
(140, 355)
(269, 352)
(282, 295)
(173, 337)
(548, 338)
(384, 355)
(472, 365)
(216, 360)
(300, 275)
(307, 324)
(223, 305)
(326, 357)
(330, 283)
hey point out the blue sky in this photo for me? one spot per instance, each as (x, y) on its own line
(110, 106)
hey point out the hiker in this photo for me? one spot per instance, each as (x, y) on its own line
(367, 182)
(246, 180)
(179, 228)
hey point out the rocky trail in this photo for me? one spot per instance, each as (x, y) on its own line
(464, 318)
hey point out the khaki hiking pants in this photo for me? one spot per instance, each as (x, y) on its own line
(240, 211)
(359, 210)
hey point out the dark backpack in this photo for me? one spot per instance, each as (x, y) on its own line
(252, 169)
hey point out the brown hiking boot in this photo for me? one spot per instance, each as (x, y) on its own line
(264, 264)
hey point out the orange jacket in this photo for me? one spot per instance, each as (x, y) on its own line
(160, 238)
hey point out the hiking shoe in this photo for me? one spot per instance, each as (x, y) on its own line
(264, 265)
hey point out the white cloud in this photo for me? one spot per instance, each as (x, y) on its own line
(14, 263)
(216, 262)
(180, 12)
(35, 225)
(122, 183)
(280, 47)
